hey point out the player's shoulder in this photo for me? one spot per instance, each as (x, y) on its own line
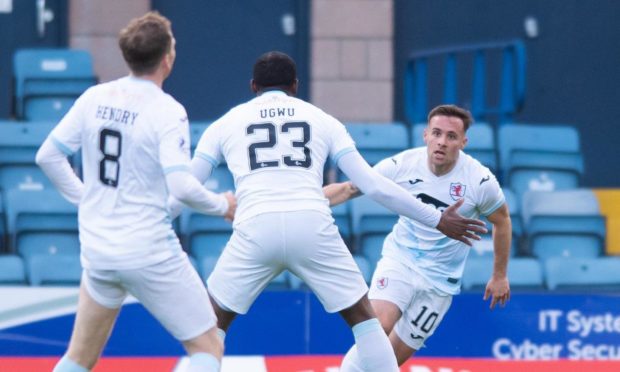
(412, 155)
(478, 173)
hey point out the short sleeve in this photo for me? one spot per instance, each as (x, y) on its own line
(341, 141)
(67, 135)
(490, 194)
(174, 144)
(209, 147)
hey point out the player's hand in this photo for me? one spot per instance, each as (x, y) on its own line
(232, 206)
(498, 289)
(457, 227)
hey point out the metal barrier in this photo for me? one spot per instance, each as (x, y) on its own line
(511, 87)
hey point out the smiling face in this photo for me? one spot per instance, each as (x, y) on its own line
(444, 137)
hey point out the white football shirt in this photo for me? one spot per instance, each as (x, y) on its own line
(275, 146)
(426, 250)
(131, 134)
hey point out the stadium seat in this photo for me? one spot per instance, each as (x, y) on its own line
(19, 143)
(583, 274)
(377, 141)
(371, 222)
(563, 223)
(523, 273)
(57, 270)
(204, 235)
(41, 222)
(206, 266)
(47, 81)
(480, 144)
(539, 157)
(12, 270)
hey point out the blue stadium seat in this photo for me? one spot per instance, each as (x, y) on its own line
(12, 270)
(523, 273)
(539, 157)
(205, 236)
(563, 223)
(47, 81)
(19, 143)
(206, 266)
(480, 144)
(583, 274)
(56, 270)
(371, 222)
(377, 141)
(41, 223)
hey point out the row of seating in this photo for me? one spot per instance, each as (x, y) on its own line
(557, 274)
(549, 224)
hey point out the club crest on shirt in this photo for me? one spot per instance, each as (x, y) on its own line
(457, 190)
(382, 282)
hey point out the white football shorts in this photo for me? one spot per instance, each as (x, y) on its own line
(422, 306)
(171, 291)
(307, 243)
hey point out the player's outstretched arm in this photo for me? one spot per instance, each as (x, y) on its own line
(185, 188)
(498, 287)
(338, 193)
(392, 196)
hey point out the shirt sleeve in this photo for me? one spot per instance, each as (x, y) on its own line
(490, 194)
(67, 135)
(174, 144)
(341, 141)
(209, 148)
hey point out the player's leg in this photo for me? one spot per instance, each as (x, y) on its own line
(420, 319)
(174, 294)
(373, 346)
(93, 324)
(317, 254)
(388, 314)
(224, 315)
(390, 293)
(250, 260)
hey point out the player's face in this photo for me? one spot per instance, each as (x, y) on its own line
(444, 136)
